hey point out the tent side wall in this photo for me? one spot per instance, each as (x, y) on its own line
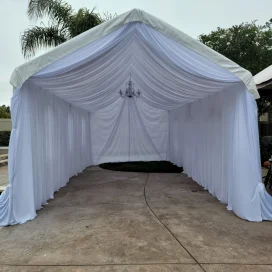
(216, 141)
(50, 142)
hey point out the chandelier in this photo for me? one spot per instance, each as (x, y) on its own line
(130, 92)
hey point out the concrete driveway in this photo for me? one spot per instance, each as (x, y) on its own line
(135, 222)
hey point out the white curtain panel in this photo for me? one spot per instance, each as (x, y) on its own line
(129, 130)
(216, 141)
(50, 142)
(191, 111)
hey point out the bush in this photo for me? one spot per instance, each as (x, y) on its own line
(4, 138)
(266, 148)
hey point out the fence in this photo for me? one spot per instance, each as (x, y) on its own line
(265, 129)
(5, 124)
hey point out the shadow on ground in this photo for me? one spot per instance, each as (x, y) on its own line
(140, 166)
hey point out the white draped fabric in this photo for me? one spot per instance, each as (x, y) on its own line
(127, 131)
(220, 150)
(191, 111)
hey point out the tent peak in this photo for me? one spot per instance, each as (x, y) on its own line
(25, 71)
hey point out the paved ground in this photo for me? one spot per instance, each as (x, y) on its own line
(135, 222)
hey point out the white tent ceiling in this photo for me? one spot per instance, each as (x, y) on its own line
(196, 109)
(23, 72)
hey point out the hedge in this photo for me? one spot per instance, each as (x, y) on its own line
(266, 148)
(4, 138)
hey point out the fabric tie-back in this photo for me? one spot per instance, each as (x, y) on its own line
(191, 111)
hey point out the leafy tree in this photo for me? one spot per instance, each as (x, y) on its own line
(63, 24)
(4, 111)
(247, 44)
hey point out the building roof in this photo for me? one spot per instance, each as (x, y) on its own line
(263, 79)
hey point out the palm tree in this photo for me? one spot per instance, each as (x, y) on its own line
(63, 24)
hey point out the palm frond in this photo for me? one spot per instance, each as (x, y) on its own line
(37, 37)
(83, 20)
(108, 16)
(64, 24)
(56, 10)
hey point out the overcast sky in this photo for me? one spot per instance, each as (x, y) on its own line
(193, 17)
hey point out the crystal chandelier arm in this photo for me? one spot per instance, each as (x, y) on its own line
(130, 92)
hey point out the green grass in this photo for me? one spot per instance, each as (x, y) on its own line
(140, 166)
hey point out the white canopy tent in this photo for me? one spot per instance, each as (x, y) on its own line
(196, 109)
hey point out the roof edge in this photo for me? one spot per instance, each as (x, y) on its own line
(263, 76)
